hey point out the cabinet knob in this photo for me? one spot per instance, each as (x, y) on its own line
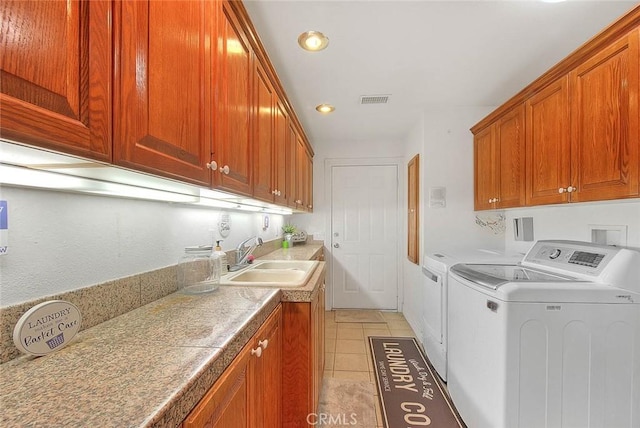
(336, 245)
(279, 193)
(298, 201)
(257, 352)
(310, 206)
(274, 192)
(224, 169)
(264, 343)
(212, 165)
(571, 189)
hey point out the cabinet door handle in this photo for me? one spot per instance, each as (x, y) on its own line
(257, 351)
(264, 343)
(212, 165)
(224, 169)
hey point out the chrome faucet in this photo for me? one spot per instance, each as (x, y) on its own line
(243, 251)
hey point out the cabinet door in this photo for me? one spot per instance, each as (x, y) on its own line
(318, 354)
(266, 374)
(604, 142)
(163, 75)
(56, 75)
(301, 175)
(233, 100)
(226, 404)
(309, 182)
(292, 162)
(281, 171)
(263, 135)
(548, 145)
(510, 153)
(484, 168)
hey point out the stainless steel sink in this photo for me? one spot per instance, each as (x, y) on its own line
(273, 273)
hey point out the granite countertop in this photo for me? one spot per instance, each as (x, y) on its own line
(148, 367)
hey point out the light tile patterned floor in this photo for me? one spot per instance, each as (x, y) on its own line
(347, 349)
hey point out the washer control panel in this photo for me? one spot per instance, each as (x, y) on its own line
(571, 256)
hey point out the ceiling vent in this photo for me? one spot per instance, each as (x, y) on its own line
(374, 99)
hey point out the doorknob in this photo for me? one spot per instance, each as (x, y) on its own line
(336, 245)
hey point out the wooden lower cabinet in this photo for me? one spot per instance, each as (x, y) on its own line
(248, 394)
(303, 360)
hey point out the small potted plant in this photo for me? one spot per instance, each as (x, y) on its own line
(288, 229)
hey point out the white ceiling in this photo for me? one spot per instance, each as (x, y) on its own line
(423, 53)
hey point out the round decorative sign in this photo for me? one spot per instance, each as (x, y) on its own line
(47, 327)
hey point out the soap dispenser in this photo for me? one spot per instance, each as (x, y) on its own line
(222, 257)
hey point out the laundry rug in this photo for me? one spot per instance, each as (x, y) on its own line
(409, 390)
(358, 316)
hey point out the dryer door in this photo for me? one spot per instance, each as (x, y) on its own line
(435, 317)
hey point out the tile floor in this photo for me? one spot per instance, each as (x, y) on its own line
(348, 355)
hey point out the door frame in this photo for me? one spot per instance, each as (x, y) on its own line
(398, 162)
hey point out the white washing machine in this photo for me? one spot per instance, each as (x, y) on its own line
(435, 268)
(553, 341)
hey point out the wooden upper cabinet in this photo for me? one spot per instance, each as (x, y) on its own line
(604, 110)
(309, 183)
(548, 145)
(292, 164)
(163, 87)
(302, 176)
(263, 135)
(233, 99)
(56, 75)
(281, 154)
(510, 153)
(484, 168)
(499, 169)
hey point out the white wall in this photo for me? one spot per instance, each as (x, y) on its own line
(412, 273)
(445, 144)
(448, 163)
(63, 241)
(571, 221)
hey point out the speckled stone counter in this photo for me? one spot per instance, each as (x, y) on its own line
(148, 367)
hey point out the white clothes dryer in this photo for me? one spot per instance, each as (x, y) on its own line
(553, 341)
(435, 268)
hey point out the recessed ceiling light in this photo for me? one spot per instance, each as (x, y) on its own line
(313, 41)
(325, 108)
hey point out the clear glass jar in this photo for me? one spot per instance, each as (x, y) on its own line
(198, 270)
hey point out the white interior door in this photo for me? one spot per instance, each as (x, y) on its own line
(364, 236)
